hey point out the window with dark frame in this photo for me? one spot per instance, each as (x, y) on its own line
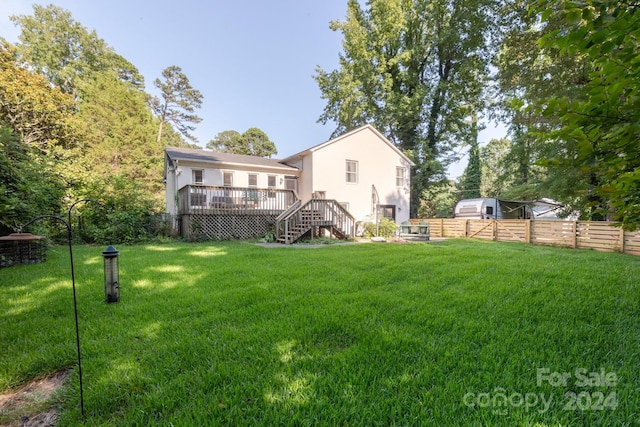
(227, 179)
(387, 211)
(253, 180)
(271, 184)
(197, 176)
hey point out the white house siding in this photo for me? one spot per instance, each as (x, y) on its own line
(321, 168)
(214, 176)
(377, 161)
(171, 192)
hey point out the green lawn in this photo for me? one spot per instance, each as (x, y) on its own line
(451, 333)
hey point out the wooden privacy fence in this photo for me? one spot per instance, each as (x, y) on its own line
(598, 235)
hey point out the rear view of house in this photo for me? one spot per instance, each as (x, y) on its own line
(355, 169)
(358, 176)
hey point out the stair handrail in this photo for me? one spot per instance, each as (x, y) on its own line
(284, 217)
(341, 218)
(347, 225)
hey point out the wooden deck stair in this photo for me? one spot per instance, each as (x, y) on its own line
(314, 215)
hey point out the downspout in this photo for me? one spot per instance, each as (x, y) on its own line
(176, 205)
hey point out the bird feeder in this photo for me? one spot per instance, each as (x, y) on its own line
(111, 280)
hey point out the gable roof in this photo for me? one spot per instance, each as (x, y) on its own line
(346, 135)
(224, 159)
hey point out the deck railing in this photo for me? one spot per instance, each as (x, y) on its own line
(208, 199)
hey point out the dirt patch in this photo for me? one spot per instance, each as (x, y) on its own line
(30, 406)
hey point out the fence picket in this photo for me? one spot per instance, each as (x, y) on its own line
(598, 235)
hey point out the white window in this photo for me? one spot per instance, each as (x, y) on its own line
(227, 179)
(400, 171)
(290, 183)
(197, 176)
(352, 171)
(271, 183)
(253, 180)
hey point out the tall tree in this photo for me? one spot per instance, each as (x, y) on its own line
(497, 171)
(472, 178)
(227, 141)
(253, 142)
(39, 114)
(528, 75)
(601, 124)
(412, 68)
(117, 129)
(63, 50)
(259, 143)
(177, 102)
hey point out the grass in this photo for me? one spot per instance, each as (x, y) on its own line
(369, 334)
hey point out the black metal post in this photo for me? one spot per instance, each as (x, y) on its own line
(73, 285)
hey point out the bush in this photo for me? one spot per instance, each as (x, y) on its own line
(386, 228)
(127, 216)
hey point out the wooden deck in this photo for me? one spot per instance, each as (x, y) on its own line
(224, 213)
(216, 200)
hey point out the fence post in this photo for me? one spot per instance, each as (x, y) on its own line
(527, 231)
(495, 230)
(574, 243)
(621, 240)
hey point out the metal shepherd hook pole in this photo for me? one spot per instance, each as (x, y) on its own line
(73, 284)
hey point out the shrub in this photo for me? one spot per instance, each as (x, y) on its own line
(385, 228)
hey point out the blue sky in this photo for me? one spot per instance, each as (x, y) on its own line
(253, 60)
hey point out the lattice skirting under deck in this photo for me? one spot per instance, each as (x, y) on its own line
(225, 227)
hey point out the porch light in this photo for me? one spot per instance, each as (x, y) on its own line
(111, 280)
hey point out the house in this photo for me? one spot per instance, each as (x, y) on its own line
(356, 177)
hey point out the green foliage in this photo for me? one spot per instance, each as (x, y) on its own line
(439, 201)
(118, 130)
(75, 52)
(270, 236)
(83, 107)
(385, 228)
(228, 141)
(128, 215)
(528, 73)
(601, 123)
(39, 114)
(254, 142)
(177, 102)
(497, 171)
(472, 178)
(28, 184)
